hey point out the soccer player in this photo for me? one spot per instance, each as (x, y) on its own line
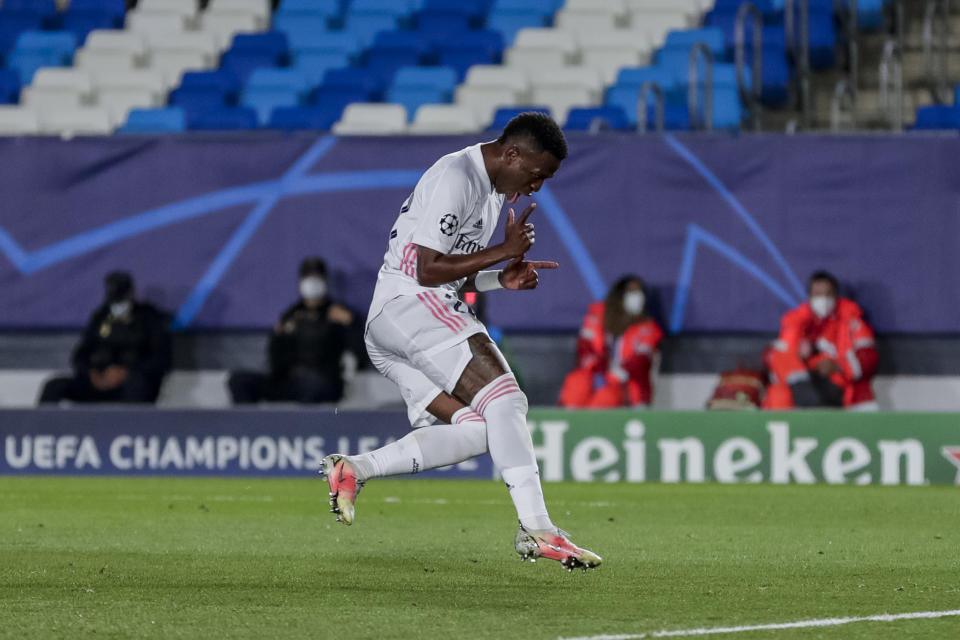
(423, 337)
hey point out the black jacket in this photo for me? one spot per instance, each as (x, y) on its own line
(305, 339)
(140, 341)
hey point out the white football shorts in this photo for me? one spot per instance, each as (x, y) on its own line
(420, 343)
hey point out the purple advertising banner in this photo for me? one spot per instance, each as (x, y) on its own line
(97, 441)
(724, 229)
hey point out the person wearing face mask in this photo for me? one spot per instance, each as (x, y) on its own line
(305, 348)
(615, 351)
(825, 354)
(125, 352)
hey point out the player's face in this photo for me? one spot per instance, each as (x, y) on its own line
(525, 171)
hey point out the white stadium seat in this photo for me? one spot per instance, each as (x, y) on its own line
(566, 87)
(444, 119)
(18, 121)
(58, 88)
(99, 59)
(541, 38)
(155, 22)
(492, 75)
(118, 101)
(585, 20)
(532, 60)
(484, 100)
(199, 41)
(140, 79)
(361, 118)
(130, 42)
(76, 121)
(655, 26)
(578, 77)
(172, 64)
(618, 7)
(186, 8)
(259, 10)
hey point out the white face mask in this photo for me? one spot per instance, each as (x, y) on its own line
(118, 309)
(633, 302)
(313, 288)
(822, 305)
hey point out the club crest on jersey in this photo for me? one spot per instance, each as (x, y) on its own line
(466, 245)
(478, 224)
(449, 224)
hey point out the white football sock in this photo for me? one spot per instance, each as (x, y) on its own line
(426, 448)
(504, 407)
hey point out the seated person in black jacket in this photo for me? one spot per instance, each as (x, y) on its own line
(305, 348)
(123, 355)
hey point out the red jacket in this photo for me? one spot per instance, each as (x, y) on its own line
(630, 353)
(843, 336)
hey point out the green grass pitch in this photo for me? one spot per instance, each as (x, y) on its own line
(261, 558)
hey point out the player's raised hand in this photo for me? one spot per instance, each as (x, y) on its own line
(519, 235)
(522, 274)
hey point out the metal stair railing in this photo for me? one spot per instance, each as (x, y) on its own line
(844, 102)
(801, 54)
(698, 50)
(936, 36)
(646, 89)
(891, 73)
(851, 26)
(752, 95)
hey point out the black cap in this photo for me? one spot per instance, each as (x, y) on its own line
(313, 266)
(118, 285)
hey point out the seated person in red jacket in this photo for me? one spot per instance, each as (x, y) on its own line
(615, 351)
(305, 348)
(825, 355)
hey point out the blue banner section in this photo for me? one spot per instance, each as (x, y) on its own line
(197, 443)
(725, 229)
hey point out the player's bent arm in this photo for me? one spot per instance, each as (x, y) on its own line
(435, 268)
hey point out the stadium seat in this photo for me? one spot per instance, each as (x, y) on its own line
(446, 119)
(12, 24)
(81, 21)
(604, 117)
(414, 86)
(258, 9)
(372, 84)
(58, 89)
(62, 43)
(205, 90)
(510, 22)
(117, 42)
(443, 21)
(27, 63)
(119, 92)
(223, 25)
(155, 22)
(383, 62)
(73, 121)
(313, 65)
(9, 86)
(326, 8)
(268, 89)
(222, 119)
(484, 100)
(364, 27)
(586, 20)
(505, 114)
(938, 117)
(18, 121)
(91, 60)
(371, 119)
(562, 88)
(186, 8)
(168, 120)
(655, 26)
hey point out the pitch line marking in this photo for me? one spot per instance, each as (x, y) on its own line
(800, 624)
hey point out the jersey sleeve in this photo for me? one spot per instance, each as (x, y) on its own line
(443, 204)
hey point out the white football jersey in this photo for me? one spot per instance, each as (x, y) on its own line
(453, 209)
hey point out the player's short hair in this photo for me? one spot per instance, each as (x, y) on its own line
(540, 129)
(822, 275)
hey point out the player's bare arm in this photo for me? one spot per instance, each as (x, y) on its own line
(435, 268)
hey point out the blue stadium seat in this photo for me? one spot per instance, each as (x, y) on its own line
(384, 61)
(370, 82)
(415, 86)
(43, 8)
(314, 64)
(303, 118)
(268, 89)
(937, 117)
(12, 24)
(503, 115)
(9, 86)
(83, 16)
(607, 116)
(366, 26)
(544, 7)
(389, 7)
(242, 61)
(870, 14)
(334, 99)
(309, 7)
(684, 39)
(443, 21)
(422, 43)
(205, 90)
(62, 43)
(509, 22)
(167, 120)
(272, 42)
(306, 31)
(222, 119)
(26, 63)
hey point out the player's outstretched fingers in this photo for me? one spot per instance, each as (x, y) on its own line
(510, 215)
(549, 264)
(526, 212)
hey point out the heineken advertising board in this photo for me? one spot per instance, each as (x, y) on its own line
(790, 447)
(606, 446)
